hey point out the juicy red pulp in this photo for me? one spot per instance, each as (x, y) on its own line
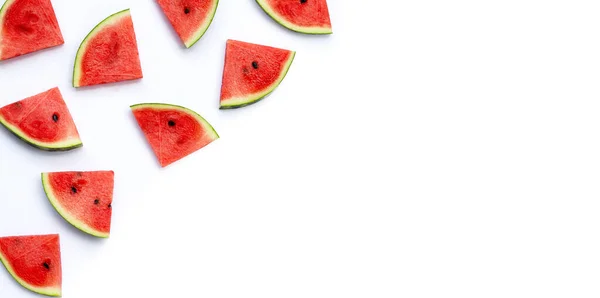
(111, 55)
(34, 259)
(304, 13)
(172, 134)
(251, 68)
(43, 117)
(28, 26)
(86, 196)
(186, 16)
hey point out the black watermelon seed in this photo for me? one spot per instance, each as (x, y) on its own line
(186, 10)
(171, 123)
(110, 205)
(55, 117)
(73, 189)
(96, 201)
(255, 64)
(303, 1)
(46, 265)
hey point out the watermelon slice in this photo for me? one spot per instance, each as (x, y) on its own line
(189, 18)
(173, 132)
(109, 53)
(34, 261)
(252, 72)
(43, 121)
(304, 16)
(84, 199)
(27, 26)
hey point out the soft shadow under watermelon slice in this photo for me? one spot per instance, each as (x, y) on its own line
(173, 132)
(82, 198)
(189, 18)
(34, 262)
(303, 16)
(27, 26)
(109, 53)
(251, 72)
(43, 121)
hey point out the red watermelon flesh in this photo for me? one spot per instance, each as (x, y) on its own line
(109, 53)
(304, 16)
(34, 261)
(42, 120)
(27, 26)
(173, 132)
(251, 72)
(189, 18)
(84, 199)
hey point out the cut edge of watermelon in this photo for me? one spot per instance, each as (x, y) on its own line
(3, 10)
(48, 291)
(55, 146)
(283, 22)
(111, 19)
(203, 27)
(238, 102)
(2, 14)
(166, 106)
(59, 208)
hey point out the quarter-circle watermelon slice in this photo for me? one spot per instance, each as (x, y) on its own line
(304, 16)
(189, 18)
(109, 53)
(84, 199)
(34, 261)
(43, 121)
(251, 72)
(172, 131)
(27, 26)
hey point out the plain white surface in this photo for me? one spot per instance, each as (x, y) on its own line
(425, 149)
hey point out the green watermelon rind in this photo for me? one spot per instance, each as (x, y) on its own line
(47, 291)
(202, 29)
(167, 106)
(83, 46)
(239, 102)
(56, 146)
(65, 214)
(315, 30)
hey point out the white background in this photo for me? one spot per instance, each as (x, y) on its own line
(425, 149)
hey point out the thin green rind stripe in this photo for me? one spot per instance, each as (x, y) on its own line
(70, 219)
(256, 97)
(60, 146)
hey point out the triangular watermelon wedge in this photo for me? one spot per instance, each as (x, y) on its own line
(27, 26)
(173, 132)
(109, 53)
(43, 121)
(34, 261)
(189, 18)
(84, 199)
(304, 16)
(251, 72)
